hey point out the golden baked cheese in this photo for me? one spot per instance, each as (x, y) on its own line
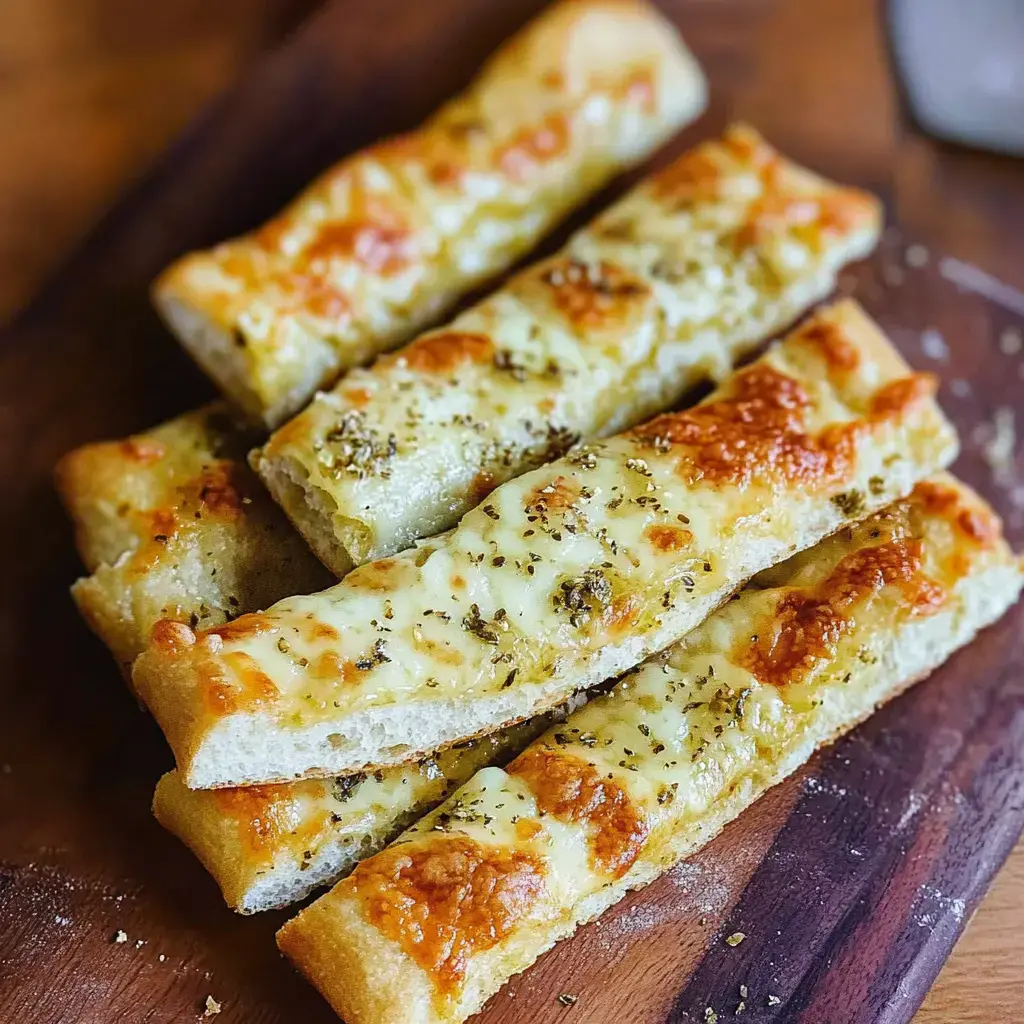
(562, 578)
(268, 846)
(383, 243)
(172, 524)
(427, 930)
(670, 286)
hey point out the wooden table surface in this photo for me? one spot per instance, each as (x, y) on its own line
(91, 90)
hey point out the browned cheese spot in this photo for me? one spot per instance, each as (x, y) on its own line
(331, 665)
(621, 615)
(638, 88)
(482, 485)
(897, 398)
(530, 149)
(836, 213)
(445, 898)
(698, 174)
(234, 682)
(381, 246)
(976, 522)
(554, 496)
(220, 488)
(171, 637)
(312, 293)
(694, 177)
(384, 576)
(573, 790)
(595, 295)
(756, 433)
(440, 151)
(142, 450)
(668, 538)
(269, 817)
(808, 624)
(245, 627)
(445, 352)
(830, 339)
(358, 398)
(161, 526)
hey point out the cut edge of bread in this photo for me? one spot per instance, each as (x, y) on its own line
(212, 345)
(340, 542)
(195, 819)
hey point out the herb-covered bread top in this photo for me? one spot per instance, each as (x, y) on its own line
(561, 578)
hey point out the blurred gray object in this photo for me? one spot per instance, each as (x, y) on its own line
(962, 68)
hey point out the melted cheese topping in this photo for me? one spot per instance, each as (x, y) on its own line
(391, 236)
(711, 715)
(639, 307)
(531, 590)
(173, 524)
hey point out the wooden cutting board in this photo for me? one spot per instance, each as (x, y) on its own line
(851, 882)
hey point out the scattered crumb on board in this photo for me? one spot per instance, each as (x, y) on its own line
(934, 346)
(917, 256)
(1011, 341)
(999, 442)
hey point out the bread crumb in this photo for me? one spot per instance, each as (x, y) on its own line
(1011, 341)
(934, 346)
(161, 958)
(212, 1007)
(917, 256)
(120, 936)
(893, 276)
(999, 448)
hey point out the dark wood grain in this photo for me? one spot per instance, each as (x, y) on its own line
(852, 881)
